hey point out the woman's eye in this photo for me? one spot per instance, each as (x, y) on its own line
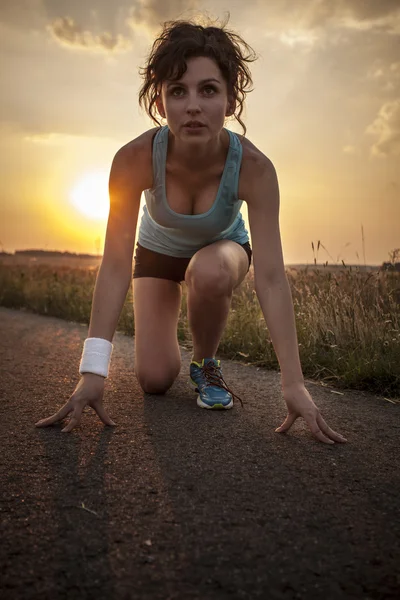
(207, 89)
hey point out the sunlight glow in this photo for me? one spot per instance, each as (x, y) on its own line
(90, 195)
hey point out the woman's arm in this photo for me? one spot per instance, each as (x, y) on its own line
(273, 292)
(276, 304)
(271, 284)
(109, 296)
(114, 276)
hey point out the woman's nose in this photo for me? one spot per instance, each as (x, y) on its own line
(193, 101)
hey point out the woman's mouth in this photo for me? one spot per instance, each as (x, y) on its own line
(194, 127)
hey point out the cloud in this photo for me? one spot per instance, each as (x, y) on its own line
(123, 16)
(50, 139)
(152, 13)
(386, 128)
(297, 37)
(365, 14)
(371, 9)
(117, 16)
(386, 75)
(17, 15)
(281, 17)
(68, 33)
(61, 140)
(349, 149)
(92, 15)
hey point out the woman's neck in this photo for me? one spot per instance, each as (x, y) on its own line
(198, 157)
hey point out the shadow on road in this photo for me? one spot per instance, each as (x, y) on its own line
(79, 561)
(267, 515)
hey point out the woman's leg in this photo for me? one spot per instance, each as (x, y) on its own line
(212, 275)
(156, 304)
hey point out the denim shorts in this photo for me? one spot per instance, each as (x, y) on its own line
(154, 264)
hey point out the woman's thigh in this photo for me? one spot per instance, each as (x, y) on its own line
(156, 305)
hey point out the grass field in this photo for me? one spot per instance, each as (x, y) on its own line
(348, 319)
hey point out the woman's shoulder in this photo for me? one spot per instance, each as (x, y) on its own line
(254, 163)
(137, 155)
(252, 156)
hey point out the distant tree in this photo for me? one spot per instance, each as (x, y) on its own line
(394, 255)
(394, 264)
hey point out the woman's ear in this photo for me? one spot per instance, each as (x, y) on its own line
(231, 107)
(160, 106)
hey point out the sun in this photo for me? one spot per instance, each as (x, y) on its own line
(90, 195)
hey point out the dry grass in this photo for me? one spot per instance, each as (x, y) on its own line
(348, 327)
(348, 320)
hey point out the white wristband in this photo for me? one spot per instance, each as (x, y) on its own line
(96, 356)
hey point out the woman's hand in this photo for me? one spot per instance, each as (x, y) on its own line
(88, 392)
(300, 404)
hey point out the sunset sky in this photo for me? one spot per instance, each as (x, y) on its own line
(325, 109)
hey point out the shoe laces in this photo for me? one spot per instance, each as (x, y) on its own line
(214, 376)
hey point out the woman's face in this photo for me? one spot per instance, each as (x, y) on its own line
(200, 95)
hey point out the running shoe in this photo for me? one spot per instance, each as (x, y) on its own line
(210, 385)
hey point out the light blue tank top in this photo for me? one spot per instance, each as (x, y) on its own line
(163, 230)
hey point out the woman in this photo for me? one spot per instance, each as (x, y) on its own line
(193, 172)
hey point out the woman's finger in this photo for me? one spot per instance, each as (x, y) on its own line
(287, 423)
(74, 420)
(316, 430)
(58, 416)
(326, 429)
(104, 416)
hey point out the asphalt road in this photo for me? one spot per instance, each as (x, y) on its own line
(177, 502)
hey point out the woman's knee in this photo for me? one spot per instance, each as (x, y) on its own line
(156, 381)
(208, 279)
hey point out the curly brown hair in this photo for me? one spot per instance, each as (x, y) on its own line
(180, 40)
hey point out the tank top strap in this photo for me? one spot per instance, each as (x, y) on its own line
(159, 154)
(234, 159)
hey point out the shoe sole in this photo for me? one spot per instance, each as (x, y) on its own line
(215, 406)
